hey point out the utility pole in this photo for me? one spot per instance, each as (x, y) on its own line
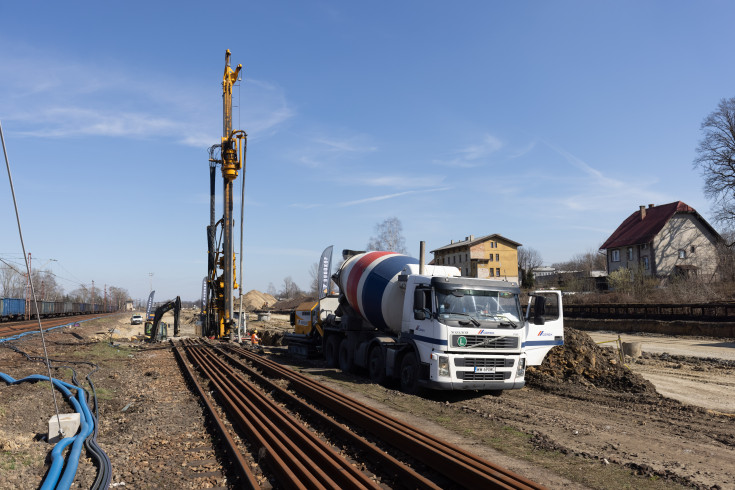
(28, 289)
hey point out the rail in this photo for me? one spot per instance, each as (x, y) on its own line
(296, 458)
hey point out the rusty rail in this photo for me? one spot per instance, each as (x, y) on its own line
(294, 454)
(456, 464)
(246, 477)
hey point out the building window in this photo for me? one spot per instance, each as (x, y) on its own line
(491, 257)
(630, 253)
(466, 258)
(497, 272)
(492, 273)
(692, 249)
(615, 256)
(645, 263)
(682, 253)
(497, 257)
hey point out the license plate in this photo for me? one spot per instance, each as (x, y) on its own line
(484, 369)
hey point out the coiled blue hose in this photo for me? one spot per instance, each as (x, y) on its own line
(54, 478)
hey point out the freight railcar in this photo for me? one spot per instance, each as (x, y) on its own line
(15, 309)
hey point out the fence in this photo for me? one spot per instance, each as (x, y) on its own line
(706, 312)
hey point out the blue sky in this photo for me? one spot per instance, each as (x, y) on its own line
(546, 122)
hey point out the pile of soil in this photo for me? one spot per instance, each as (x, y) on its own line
(580, 360)
(290, 304)
(255, 300)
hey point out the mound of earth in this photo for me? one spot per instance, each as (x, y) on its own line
(290, 304)
(255, 300)
(580, 360)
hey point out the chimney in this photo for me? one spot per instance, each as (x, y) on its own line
(451, 242)
(472, 237)
(422, 256)
(643, 212)
(650, 206)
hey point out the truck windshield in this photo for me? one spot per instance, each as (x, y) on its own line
(478, 306)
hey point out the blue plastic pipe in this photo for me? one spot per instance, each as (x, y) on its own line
(54, 478)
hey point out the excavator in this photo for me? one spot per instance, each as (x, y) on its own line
(155, 330)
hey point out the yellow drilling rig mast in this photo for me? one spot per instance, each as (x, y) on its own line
(218, 318)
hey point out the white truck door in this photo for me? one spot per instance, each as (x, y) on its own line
(545, 325)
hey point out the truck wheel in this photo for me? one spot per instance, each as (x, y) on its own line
(331, 351)
(346, 362)
(410, 374)
(376, 365)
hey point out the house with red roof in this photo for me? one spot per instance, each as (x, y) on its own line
(663, 241)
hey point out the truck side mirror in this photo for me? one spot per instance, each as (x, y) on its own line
(539, 310)
(419, 299)
(419, 304)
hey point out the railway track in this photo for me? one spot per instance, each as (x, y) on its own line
(15, 328)
(303, 434)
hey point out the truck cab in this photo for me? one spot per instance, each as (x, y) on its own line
(472, 334)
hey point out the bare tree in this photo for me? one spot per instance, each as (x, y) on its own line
(716, 160)
(12, 281)
(389, 237)
(314, 270)
(290, 288)
(528, 259)
(118, 296)
(592, 260)
(271, 290)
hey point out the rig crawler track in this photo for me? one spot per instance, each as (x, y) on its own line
(296, 457)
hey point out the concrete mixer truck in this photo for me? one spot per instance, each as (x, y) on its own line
(427, 326)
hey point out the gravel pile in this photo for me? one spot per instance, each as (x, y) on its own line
(580, 360)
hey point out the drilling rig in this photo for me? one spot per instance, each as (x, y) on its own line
(217, 313)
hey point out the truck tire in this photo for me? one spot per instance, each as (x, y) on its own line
(410, 374)
(376, 365)
(346, 360)
(331, 351)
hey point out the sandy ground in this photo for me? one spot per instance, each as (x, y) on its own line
(684, 368)
(681, 346)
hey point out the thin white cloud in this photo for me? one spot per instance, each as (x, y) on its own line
(396, 181)
(344, 145)
(523, 151)
(70, 99)
(474, 155)
(322, 151)
(389, 196)
(594, 190)
(301, 205)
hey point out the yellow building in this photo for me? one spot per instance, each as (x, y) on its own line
(487, 257)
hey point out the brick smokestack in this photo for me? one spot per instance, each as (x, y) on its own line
(643, 212)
